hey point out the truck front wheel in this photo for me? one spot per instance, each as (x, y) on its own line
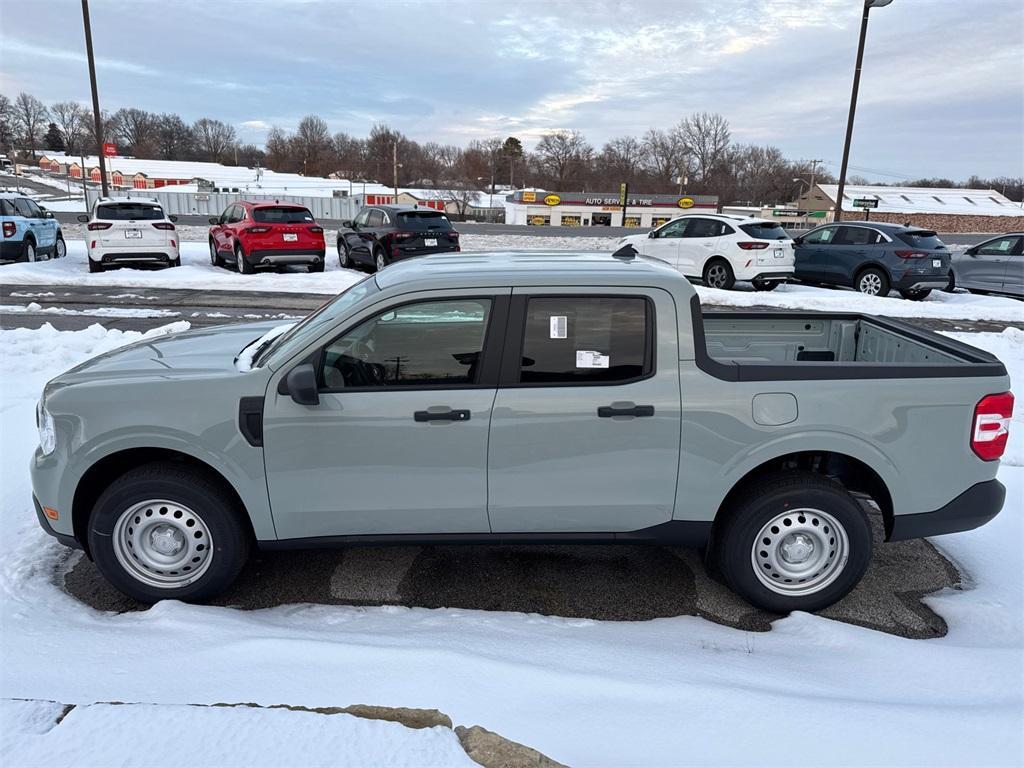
(793, 542)
(163, 531)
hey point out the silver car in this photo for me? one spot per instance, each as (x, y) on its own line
(994, 266)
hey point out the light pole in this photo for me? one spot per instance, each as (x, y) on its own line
(95, 99)
(868, 5)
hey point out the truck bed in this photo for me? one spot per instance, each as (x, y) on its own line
(746, 346)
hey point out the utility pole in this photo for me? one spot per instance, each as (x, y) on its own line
(868, 5)
(394, 162)
(95, 100)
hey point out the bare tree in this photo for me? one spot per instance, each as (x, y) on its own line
(214, 139)
(705, 136)
(664, 156)
(70, 119)
(174, 138)
(6, 123)
(564, 156)
(620, 160)
(349, 155)
(30, 115)
(313, 146)
(138, 128)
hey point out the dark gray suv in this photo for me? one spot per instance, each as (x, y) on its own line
(873, 258)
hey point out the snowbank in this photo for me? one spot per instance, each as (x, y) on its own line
(670, 691)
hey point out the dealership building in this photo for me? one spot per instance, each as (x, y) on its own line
(595, 209)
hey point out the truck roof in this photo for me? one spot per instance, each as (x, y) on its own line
(459, 270)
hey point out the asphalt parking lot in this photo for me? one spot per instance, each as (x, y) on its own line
(607, 582)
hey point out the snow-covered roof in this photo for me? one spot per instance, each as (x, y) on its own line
(957, 202)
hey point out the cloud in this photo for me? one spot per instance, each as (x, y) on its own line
(19, 47)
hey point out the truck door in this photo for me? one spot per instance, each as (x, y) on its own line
(398, 440)
(586, 424)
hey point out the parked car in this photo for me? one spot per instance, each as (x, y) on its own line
(721, 249)
(130, 231)
(573, 398)
(873, 258)
(383, 234)
(994, 266)
(255, 235)
(29, 230)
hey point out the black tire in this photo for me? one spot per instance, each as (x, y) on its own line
(318, 267)
(29, 250)
(93, 266)
(718, 274)
(918, 295)
(244, 267)
(951, 284)
(790, 494)
(215, 258)
(60, 248)
(344, 256)
(175, 485)
(872, 279)
(765, 285)
(175, 263)
(380, 260)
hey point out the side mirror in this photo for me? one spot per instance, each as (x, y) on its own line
(798, 241)
(972, 251)
(347, 223)
(301, 384)
(652, 234)
(215, 220)
(172, 217)
(84, 218)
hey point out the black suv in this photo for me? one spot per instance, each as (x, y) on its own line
(382, 234)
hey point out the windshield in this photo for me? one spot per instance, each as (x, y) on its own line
(309, 329)
(765, 230)
(282, 215)
(128, 211)
(422, 222)
(921, 238)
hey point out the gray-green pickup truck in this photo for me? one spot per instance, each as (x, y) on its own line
(523, 398)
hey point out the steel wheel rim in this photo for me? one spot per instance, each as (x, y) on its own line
(61, 248)
(162, 544)
(800, 552)
(343, 255)
(380, 261)
(871, 284)
(213, 254)
(716, 276)
(30, 252)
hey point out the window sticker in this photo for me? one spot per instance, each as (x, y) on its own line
(587, 358)
(559, 326)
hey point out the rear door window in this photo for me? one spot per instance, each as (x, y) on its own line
(7, 208)
(575, 340)
(703, 228)
(425, 221)
(857, 236)
(765, 230)
(128, 211)
(921, 239)
(282, 215)
(375, 219)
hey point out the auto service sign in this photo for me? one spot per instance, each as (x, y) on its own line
(552, 200)
(110, 149)
(685, 202)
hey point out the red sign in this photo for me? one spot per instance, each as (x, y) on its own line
(110, 150)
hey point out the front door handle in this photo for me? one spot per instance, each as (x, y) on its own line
(610, 411)
(449, 415)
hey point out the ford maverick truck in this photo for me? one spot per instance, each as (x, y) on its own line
(523, 398)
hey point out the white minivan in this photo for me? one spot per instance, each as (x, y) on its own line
(721, 249)
(130, 231)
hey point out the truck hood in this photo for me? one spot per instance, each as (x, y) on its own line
(203, 352)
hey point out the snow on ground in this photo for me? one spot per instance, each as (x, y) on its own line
(196, 272)
(36, 309)
(669, 691)
(246, 737)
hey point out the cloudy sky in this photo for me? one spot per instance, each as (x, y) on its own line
(942, 93)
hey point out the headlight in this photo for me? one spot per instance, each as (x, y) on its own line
(47, 434)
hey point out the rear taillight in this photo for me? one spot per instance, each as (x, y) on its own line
(256, 230)
(752, 246)
(99, 225)
(164, 225)
(173, 244)
(453, 234)
(10, 228)
(317, 230)
(911, 254)
(402, 235)
(991, 426)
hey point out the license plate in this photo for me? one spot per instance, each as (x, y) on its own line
(779, 252)
(430, 241)
(936, 263)
(290, 237)
(137, 233)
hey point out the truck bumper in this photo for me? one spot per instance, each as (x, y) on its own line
(971, 509)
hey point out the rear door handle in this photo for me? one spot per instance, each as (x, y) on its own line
(449, 415)
(610, 411)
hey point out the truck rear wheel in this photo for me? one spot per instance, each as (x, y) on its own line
(162, 531)
(793, 542)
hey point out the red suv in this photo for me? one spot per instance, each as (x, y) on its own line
(266, 235)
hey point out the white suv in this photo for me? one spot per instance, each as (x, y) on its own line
(721, 249)
(130, 230)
